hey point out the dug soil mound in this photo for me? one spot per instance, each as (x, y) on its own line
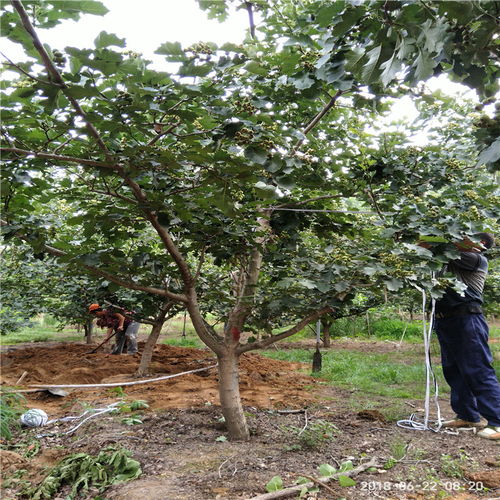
(297, 424)
(264, 383)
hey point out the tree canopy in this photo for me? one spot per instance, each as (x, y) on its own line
(250, 180)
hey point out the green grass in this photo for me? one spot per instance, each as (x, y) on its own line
(39, 333)
(367, 372)
(184, 342)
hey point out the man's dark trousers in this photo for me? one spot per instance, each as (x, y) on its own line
(467, 367)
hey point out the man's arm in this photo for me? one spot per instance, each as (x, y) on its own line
(469, 260)
(121, 321)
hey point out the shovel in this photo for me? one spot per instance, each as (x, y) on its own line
(101, 344)
(316, 365)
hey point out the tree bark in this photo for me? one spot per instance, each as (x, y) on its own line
(325, 323)
(149, 346)
(229, 394)
(88, 327)
(147, 353)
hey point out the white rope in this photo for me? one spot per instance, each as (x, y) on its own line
(363, 212)
(95, 412)
(120, 384)
(413, 422)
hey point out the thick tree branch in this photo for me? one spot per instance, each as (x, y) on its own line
(56, 77)
(105, 274)
(162, 232)
(251, 20)
(161, 134)
(246, 299)
(296, 203)
(51, 156)
(318, 117)
(313, 316)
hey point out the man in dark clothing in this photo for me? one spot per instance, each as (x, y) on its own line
(463, 336)
(125, 328)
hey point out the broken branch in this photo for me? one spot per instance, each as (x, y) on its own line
(293, 490)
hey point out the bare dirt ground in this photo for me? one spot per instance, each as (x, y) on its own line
(181, 442)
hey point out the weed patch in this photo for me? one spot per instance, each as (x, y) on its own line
(11, 407)
(369, 373)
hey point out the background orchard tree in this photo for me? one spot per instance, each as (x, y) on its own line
(39, 283)
(185, 185)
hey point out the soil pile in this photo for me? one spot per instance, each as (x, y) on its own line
(264, 383)
(182, 446)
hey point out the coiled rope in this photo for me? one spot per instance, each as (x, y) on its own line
(413, 422)
(94, 412)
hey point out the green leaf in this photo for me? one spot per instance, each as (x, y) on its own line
(491, 154)
(275, 484)
(345, 466)
(170, 48)
(345, 481)
(424, 66)
(256, 68)
(326, 13)
(371, 69)
(265, 190)
(348, 20)
(91, 259)
(326, 470)
(369, 270)
(390, 69)
(436, 35)
(355, 59)
(192, 69)
(302, 80)
(104, 39)
(256, 154)
(87, 6)
(393, 284)
(302, 480)
(79, 92)
(459, 10)
(308, 284)
(230, 47)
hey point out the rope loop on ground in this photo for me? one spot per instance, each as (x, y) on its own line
(413, 422)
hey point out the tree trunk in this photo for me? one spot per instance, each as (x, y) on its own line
(149, 346)
(88, 327)
(229, 394)
(326, 333)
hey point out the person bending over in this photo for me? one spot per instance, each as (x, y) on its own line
(124, 327)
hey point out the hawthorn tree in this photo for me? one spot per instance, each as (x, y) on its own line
(243, 181)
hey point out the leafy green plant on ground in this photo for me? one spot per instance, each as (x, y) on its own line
(11, 407)
(325, 471)
(83, 471)
(398, 450)
(453, 467)
(313, 435)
